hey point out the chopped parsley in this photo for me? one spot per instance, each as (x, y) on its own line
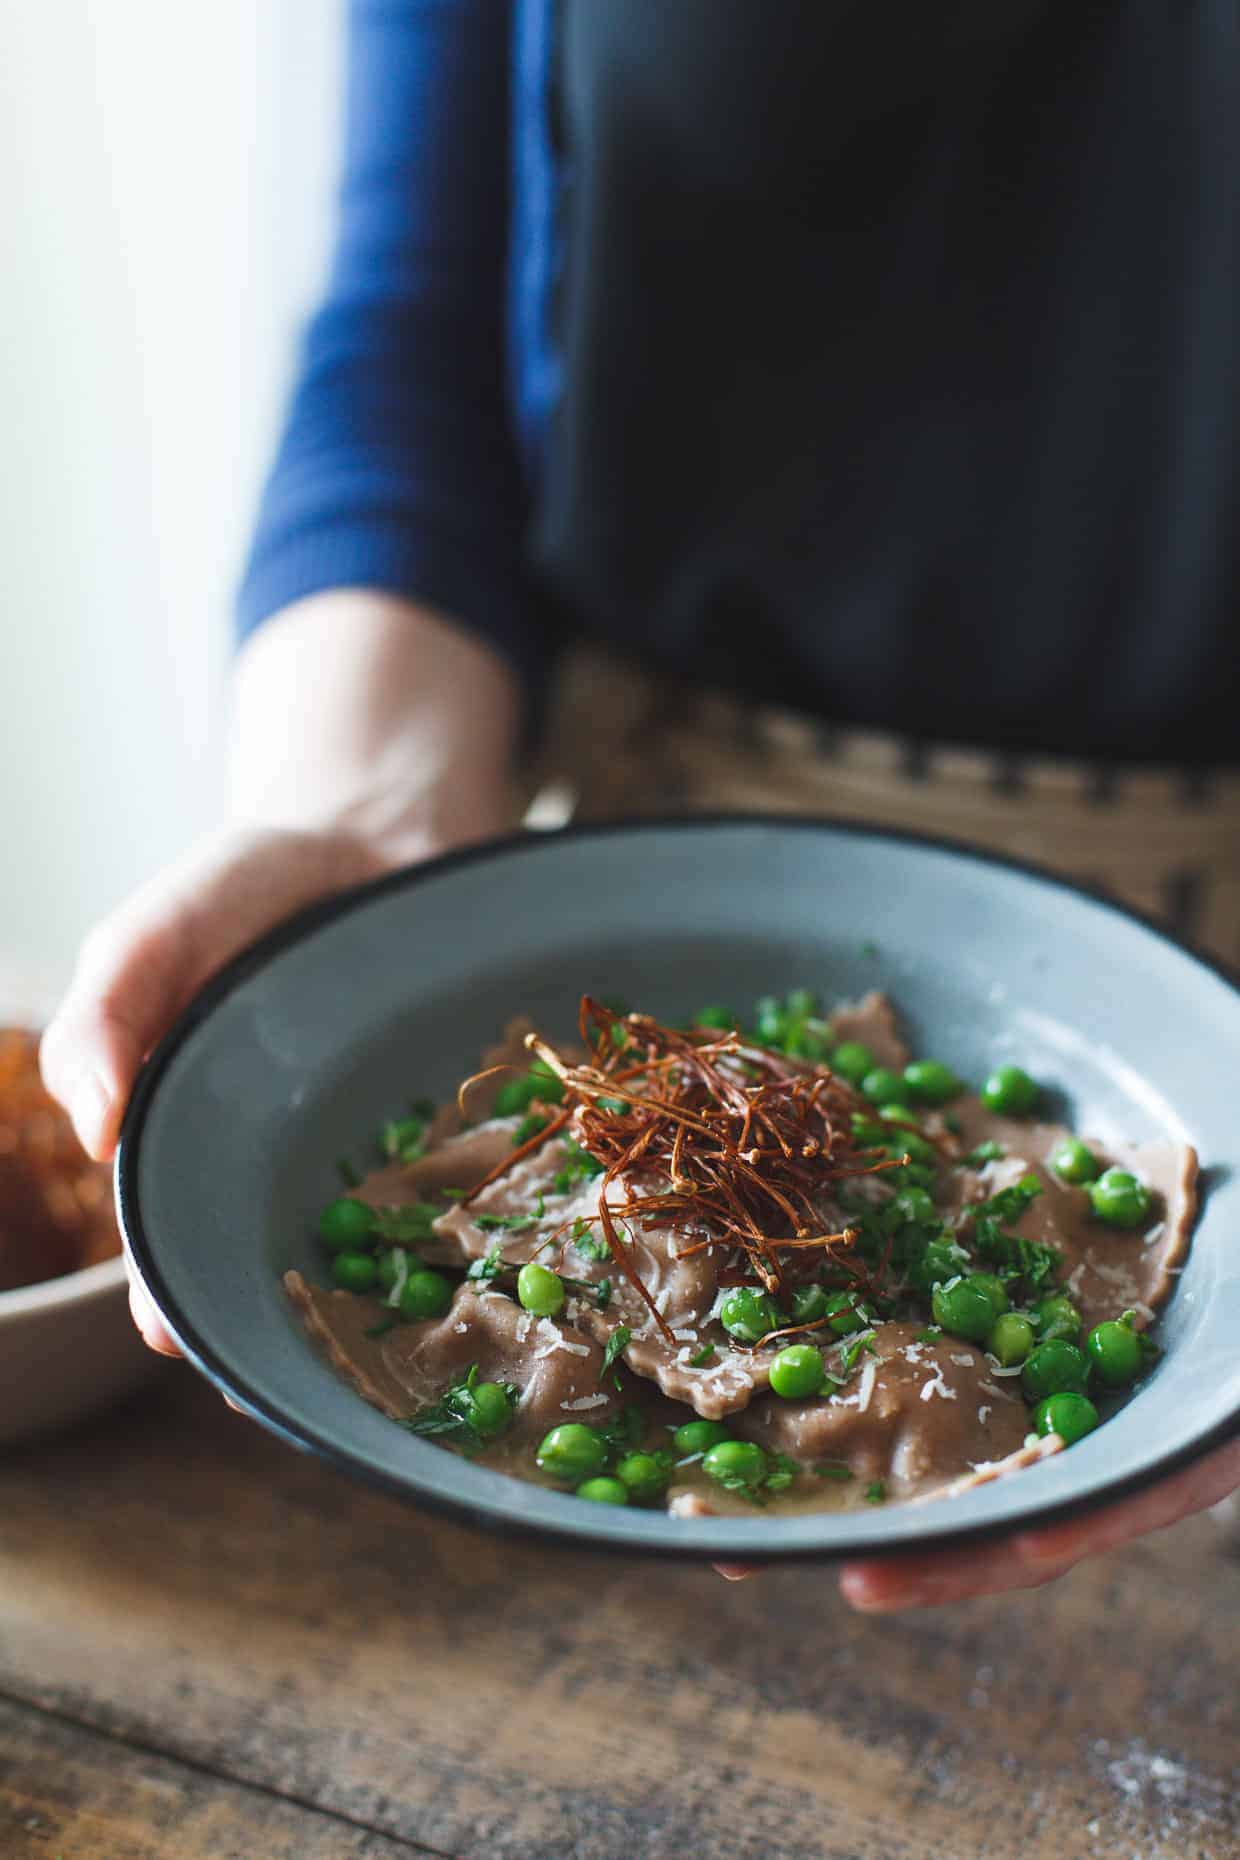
(411, 1222)
(989, 1151)
(876, 1493)
(528, 1127)
(602, 1294)
(783, 1472)
(403, 1139)
(512, 1223)
(579, 1167)
(834, 1470)
(384, 1325)
(484, 1271)
(1021, 1263)
(931, 1334)
(864, 1340)
(703, 1356)
(587, 1244)
(617, 1344)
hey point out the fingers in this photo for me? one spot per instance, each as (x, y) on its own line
(151, 1326)
(130, 983)
(1030, 1558)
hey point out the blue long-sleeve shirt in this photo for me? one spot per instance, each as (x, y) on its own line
(880, 361)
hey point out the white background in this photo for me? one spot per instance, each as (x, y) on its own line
(166, 174)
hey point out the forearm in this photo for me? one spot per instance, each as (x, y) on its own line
(358, 711)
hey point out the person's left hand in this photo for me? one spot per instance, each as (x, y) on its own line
(883, 1585)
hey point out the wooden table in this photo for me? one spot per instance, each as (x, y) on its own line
(215, 1649)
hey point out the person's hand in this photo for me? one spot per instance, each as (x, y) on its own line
(1026, 1559)
(370, 733)
(140, 966)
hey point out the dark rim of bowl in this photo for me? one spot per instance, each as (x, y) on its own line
(313, 917)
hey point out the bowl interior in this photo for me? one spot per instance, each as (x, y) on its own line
(296, 1054)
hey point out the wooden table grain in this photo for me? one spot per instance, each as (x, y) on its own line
(214, 1648)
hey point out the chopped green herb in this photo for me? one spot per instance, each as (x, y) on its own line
(528, 1127)
(834, 1470)
(617, 1344)
(512, 1223)
(624, 1430)
(876, 1493)
(587, 1244)
(347, 1173)
(412, 1222)
(989, 1151)
(853, 1348)
(783, 1471)
(454, 1194)
(579, 1167)
(602, 1294)
(483, 1271)
(382, 1328)
(931, 1334)
(403, 1139)
(703, 1356)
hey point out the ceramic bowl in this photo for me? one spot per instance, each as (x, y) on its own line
(296, 1052)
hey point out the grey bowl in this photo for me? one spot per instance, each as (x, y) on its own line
(296, 1052)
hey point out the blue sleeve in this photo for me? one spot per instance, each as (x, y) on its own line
(398, 467)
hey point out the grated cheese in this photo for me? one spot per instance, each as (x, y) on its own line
(402, 1273)
(865, 1387)
(937, 1386)
(1156, 1233)
(984, 1413)
(585, 1401)
(553, 1340)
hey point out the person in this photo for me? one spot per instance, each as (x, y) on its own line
(792, 405)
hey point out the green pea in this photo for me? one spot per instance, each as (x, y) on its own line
(356, 1272)
(748, 1314)
(346, 1223)
(882, 1086)
(802, 1004)
(914, 1205)
(1119, 1199)
(572, 1452)
(539, 1290)
(1011, 1339)
(1054, 1368)
(644, 1475)
(1114, 1349)
(1069, 1415)
(699, 1436)
(603, 1492)
(931, 1082)
(1009, 1091)
(1074, 1161)
(941, 1261)
(851, 1314)
(1056, 1316)
(718, 1017)
(389, 1267)
(736, 1463)
(796, 1371)
(968, 1307)
(809, 1303)
(492, 1410)
(426, 1294)
(852, 1061)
